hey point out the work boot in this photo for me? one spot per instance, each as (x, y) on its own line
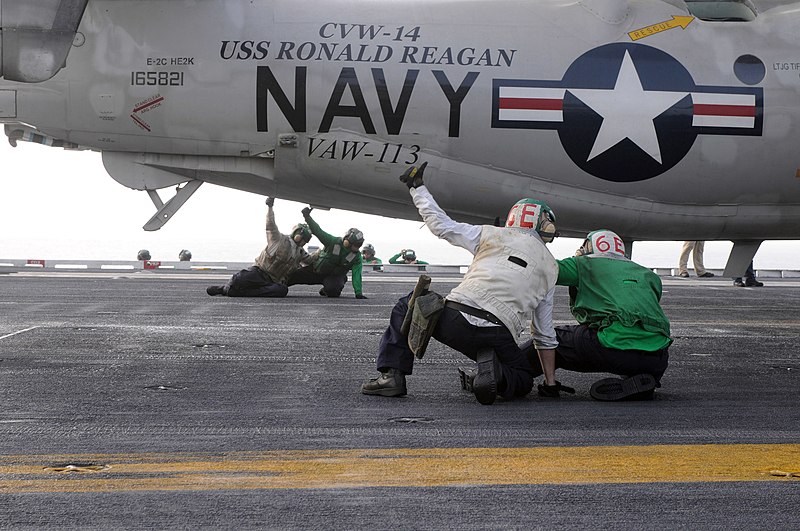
(753, 283)
(639, 387)
(707, 274)
(389, 383)
(322, 292)
(487, 380)
(215, 290)
(467, 376)
(738, 283)
(684, 274)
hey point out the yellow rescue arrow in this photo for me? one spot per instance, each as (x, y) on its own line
(676, 21)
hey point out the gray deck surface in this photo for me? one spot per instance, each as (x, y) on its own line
(109, 363)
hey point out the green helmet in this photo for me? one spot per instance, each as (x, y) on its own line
(304, 232)
(535, 215)
(355, 237)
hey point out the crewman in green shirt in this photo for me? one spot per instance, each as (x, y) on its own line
(368, 258)
(406, 256)
(621, 327)
(330, 265)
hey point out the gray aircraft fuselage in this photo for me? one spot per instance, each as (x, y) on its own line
(633, 116)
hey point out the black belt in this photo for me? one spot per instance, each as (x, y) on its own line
(477, 312)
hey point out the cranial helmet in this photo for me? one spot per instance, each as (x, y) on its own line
(302, 230)
(368, 250)
(354, 236)
(409, 255)
(534, 215)
(602, 241)
(143, 254)
(185, 255)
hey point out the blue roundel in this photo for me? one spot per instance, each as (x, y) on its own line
(627, 112)
(627, 160)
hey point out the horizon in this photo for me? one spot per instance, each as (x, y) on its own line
(67, 207)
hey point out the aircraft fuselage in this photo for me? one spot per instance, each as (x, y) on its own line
(617, 114)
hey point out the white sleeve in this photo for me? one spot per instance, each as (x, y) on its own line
(544, 334)
(439, 223)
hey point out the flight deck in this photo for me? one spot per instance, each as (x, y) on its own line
(134, 399)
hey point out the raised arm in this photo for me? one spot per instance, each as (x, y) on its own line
(273, 234)
(441, 225)
(321, 235)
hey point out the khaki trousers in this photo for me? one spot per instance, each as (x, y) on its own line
(696, 248)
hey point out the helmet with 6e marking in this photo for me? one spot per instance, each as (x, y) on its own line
(602, 241)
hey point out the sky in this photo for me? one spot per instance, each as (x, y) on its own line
(59, 204)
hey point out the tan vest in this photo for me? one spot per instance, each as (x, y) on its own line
(511, 273)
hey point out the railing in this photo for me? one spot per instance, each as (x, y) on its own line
(157, 265)
(163, 266)
(120, 265)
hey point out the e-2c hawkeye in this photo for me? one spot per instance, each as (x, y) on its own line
(659, 119)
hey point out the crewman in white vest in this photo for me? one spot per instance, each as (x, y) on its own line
(487, 316)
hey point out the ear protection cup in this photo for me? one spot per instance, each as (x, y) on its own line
(547, 229)
(584, 249)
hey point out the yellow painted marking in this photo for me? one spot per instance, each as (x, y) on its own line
(676, 22)
(428, 467)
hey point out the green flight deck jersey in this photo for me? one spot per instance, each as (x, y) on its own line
(334, 259)
(397, 260)
(619, 298)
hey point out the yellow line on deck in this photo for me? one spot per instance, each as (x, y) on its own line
(427, 467)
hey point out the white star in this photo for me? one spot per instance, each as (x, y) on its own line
(628, 111)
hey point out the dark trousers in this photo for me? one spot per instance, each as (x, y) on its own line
(333, 284)
(580, 350)
(749, 274)
(455, 332)
(253, 282)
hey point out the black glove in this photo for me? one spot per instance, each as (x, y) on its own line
(360, 296)
(307, 211)
(413, 176)
(552, 391)
(270, 201)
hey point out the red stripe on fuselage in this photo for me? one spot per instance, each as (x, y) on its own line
(724, 110)
(537, 104)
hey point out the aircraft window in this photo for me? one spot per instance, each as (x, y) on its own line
(722, 10)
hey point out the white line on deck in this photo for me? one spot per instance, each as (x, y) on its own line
(18, 332)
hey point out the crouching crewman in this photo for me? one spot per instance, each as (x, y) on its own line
(622, 328)
(486, 316)
(283, 255)
(329, 265)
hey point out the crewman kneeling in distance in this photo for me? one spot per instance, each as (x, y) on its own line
(368, 258)
(486, 316)
(329, 265)
(406, 256)
(622, 328)
(269, 276)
